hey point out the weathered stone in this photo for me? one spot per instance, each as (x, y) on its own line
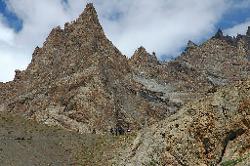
(204, 138)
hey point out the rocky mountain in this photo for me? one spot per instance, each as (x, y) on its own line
(210, 131)
(193, 110)
(80, 81)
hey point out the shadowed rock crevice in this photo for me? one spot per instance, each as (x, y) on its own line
(232, 135)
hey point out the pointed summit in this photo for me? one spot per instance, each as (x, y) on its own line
(142, 58)
(191, 44)
(141, 51)
(89, 14)
(86, 28)
(90, 7)
(219, 34)
(76, 47)
(87, 24)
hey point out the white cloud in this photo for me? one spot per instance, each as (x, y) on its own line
(238, 29)
(11, 59)
(240, 4)
(163, 26)
(8, 54)
(39, 17)
(6, 34)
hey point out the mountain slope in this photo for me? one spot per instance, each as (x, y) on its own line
(80, 81)
(207, 131)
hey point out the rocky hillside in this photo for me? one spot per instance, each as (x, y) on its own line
(193, 110)
(80, 81)
(210, 131)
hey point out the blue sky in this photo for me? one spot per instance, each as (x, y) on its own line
(234, 17)
(11, 18)
(229, 19)
(159, 25)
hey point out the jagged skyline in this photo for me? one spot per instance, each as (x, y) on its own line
(25, 24)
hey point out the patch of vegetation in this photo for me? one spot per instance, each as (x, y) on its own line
(230, 163)
(234, 162)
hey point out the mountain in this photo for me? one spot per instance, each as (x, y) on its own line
(80, 81)
(210, 131)
(188, 111)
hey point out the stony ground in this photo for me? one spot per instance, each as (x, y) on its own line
(27, 143)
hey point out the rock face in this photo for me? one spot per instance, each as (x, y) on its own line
(208, 131)
(80, 81)
(142, 59)
(190, 111)
(219, 34)
(191, 44)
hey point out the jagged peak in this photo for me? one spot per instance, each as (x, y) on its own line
(82, 38)
(229, 39)
(141, 50)
(89, 14)
(87, 25)
(219, 34)
(90, 8)
(191, 44)
(54, 36)
(55, 31)
(142, 56)
(87, 19)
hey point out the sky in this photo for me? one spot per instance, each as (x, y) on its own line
(161, 26)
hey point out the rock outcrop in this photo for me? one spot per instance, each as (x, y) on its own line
(207, 131)
(142, 59)
(191, 45)
(219, 34)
